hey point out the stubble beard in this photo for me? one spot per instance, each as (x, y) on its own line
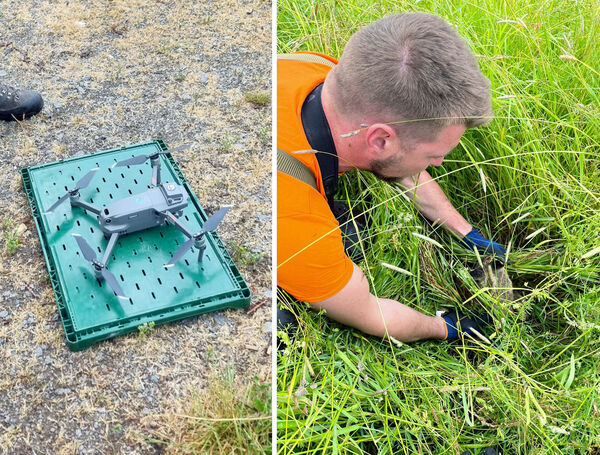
(379, 167)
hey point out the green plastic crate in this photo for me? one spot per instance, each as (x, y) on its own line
(89, 310)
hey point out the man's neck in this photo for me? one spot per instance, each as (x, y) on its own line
(347, 148)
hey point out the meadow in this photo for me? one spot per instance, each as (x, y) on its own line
(531, 181)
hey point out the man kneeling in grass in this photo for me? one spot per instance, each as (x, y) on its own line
(392, 74)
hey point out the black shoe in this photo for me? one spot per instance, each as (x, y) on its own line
(18, 104)
(286, 319)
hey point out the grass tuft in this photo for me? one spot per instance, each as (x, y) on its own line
(258, 98)
(226, 418)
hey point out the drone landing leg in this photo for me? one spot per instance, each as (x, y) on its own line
(201, 245)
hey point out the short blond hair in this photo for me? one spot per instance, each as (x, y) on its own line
(408, 67)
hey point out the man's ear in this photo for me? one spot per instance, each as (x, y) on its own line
(379, 138)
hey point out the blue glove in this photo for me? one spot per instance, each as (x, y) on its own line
(459, 324)
(485, 246)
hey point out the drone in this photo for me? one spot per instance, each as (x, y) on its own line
(161, 204)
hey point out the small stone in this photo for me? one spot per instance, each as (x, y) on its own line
(4, 314)
(268, 326)
(47, 328)
(39, 352)
(219, 319)
(263, 218)
(21, 229)
(154, 378)
(62, 391)
(250, 11)
(57, 105)
(78, 433)
(186, 96)
(204, 78)
(47, 360)
(268, 293)
(2, 73)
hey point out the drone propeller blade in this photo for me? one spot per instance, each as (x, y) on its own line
(139, 159)
(57, 203)
(86, 249)
(81, 183)
(213, 221)
(85, 180)
(181, 252)
(112, 282)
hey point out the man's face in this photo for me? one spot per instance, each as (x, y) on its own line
(412, 161)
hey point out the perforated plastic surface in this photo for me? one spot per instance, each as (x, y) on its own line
(89, 310)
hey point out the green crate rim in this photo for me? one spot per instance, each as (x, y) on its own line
(79, 340)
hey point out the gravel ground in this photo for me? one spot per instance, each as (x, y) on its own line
(116, 73)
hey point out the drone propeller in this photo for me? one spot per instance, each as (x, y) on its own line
(81, 184)
(139, 159)
(90, 255)
(209, 226)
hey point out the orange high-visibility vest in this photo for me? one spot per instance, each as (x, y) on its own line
(311, 262)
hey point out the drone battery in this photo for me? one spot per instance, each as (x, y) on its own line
(89, 309)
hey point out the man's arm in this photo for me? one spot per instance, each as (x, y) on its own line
(356, 307)
(433, 203)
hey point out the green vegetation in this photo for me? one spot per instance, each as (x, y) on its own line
(226, 143)
(145, 329)
(531, 180)
(224, 418)
(244, 256)
(10, 235)
(258, 98)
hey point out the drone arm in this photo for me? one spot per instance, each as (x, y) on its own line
(109, 248)
(86, 205)
(178, 224)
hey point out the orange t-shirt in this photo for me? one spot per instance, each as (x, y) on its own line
(311, 262)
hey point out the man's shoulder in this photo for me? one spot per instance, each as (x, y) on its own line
(308, 57)
(298, 199)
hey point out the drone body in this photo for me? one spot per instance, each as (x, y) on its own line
(144, 210)
(161, 204)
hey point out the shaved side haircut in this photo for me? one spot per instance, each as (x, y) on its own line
(408, 67)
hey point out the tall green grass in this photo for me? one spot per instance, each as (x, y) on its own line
(530, 179)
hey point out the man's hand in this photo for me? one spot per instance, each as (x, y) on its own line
(475, 240)
(458, 324)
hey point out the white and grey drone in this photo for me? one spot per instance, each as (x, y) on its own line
(163, 203)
